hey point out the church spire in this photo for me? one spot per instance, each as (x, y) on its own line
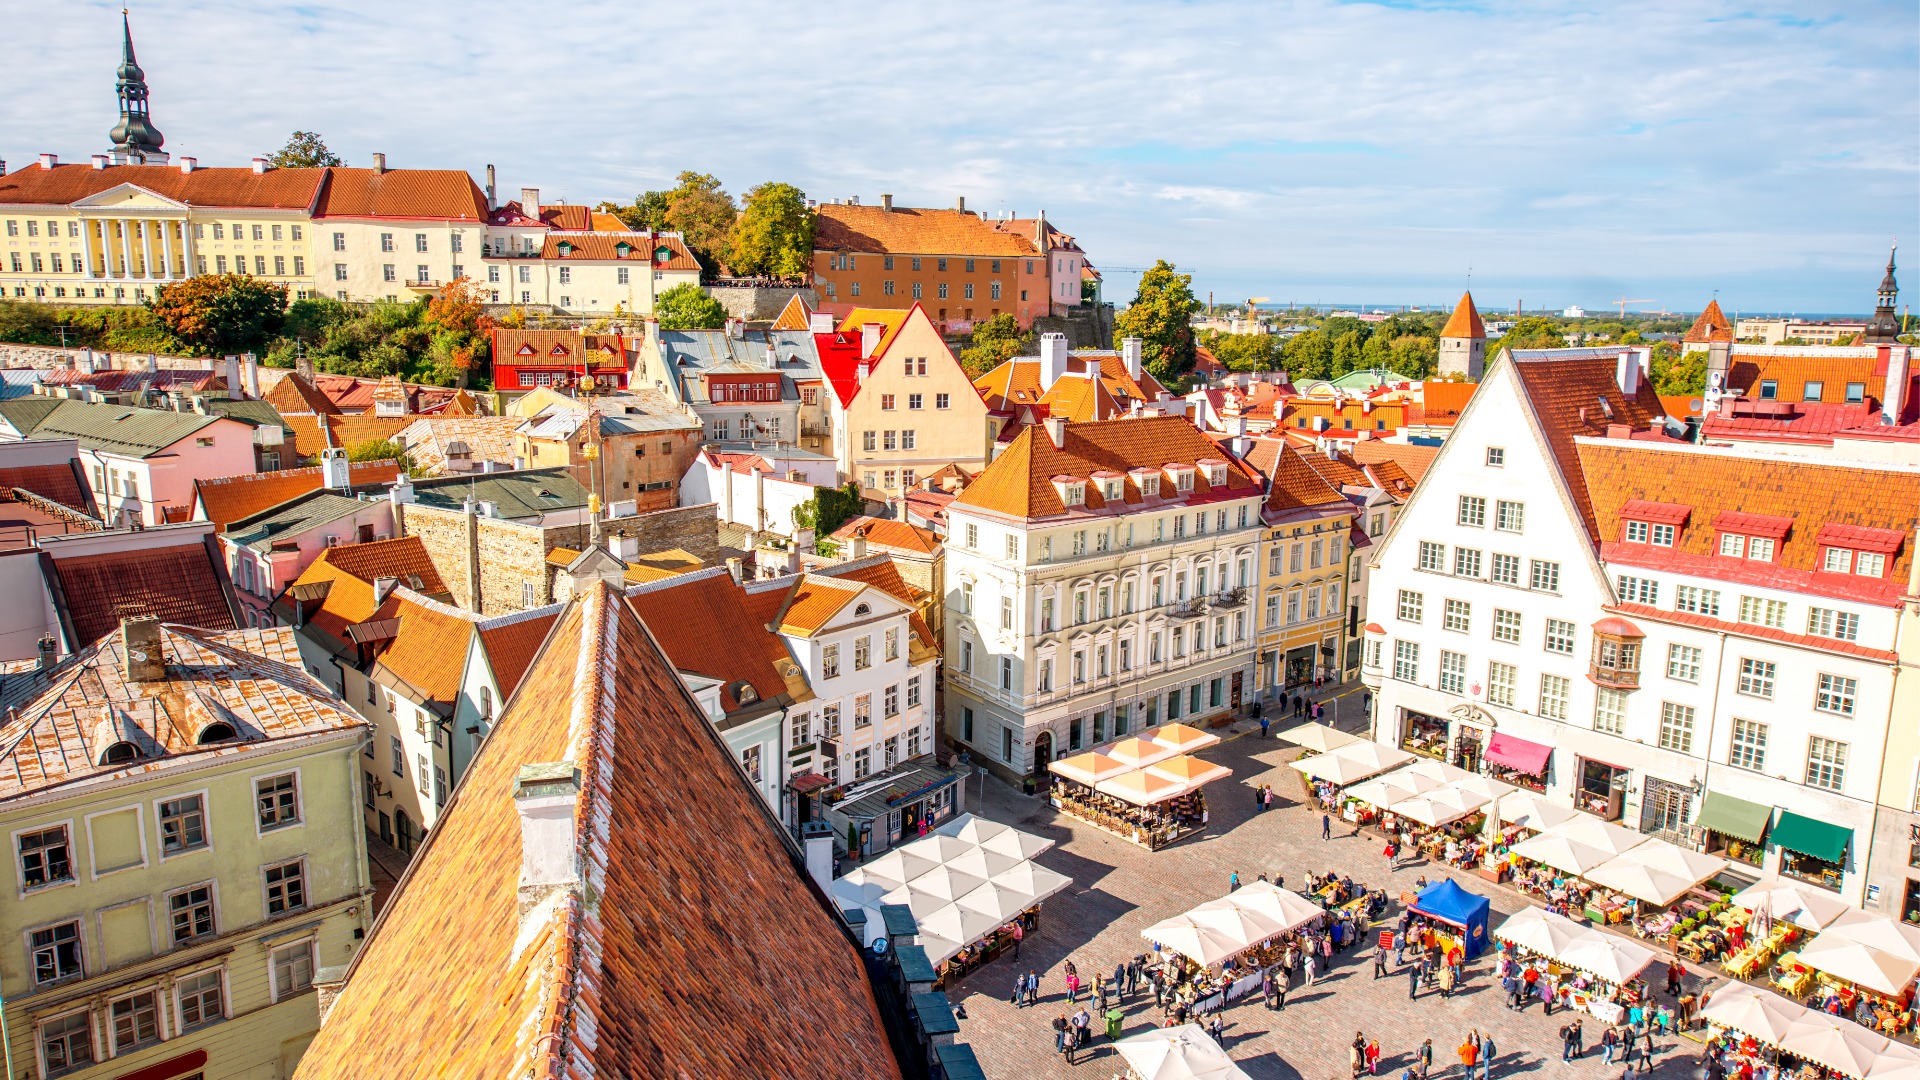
(134, 137)
(1884, 327)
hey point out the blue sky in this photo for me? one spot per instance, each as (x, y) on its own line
(1309, 150)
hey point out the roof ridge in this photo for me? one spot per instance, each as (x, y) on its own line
(703, 574)
(497, 622)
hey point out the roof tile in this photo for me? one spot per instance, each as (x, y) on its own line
(909, 231)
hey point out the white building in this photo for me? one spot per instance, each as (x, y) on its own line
(1097, 583)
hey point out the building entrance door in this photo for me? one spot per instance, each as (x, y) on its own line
(1042, 754)
(1233, 693)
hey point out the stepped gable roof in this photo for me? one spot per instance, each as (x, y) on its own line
(1573, 392)
(713, 633)
(641, 969)
(59, 482)
(1465, 320)
(1295, 489)
(1856, 506)
(429, 194)
(906, 230)
(887, 533)
(180, 582)
(226, 499)
(295, 394)
(1711, 326)
(1791, 368)
(64, 719)
(280, 189)
(1019, 483)
(1413, 460)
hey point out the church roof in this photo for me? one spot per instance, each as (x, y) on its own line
(1465, 322)
(1712, 325)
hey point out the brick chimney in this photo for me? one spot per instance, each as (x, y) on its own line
(379, 164)
(141, 639)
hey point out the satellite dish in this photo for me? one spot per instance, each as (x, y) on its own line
(879, 946)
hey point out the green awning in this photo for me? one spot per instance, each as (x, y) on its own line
(1737, 818)
(1818, 839)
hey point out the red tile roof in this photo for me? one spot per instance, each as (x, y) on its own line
(886, 533)
(304, 431)
(1465, 320)
(912, 231)
(1019, 482)
(61, 483)
(405, 558)
(226, 499)
(1295, 490)
(713, 634)
(426, 194)
(1573, 392)
(512, 641)
(1711, 326)
(1791, 369)
(606, 248)
(178, 583)
(428, 651)
(1414, 460)
(294, 394)
(1442, 402)
(287, 189)
(1754, 630)
(642, 968)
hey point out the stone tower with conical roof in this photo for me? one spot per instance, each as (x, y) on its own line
(135, 139)
(1884, 327)
(1463, 342)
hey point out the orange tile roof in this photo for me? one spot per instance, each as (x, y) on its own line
(294, 394)
(311, 433)
(890, 318)
(633, 972)
(1465, 320)
(432, 194)
(600, 247)
(429, 650)
(60, 483)
(405, 558)
(794, 316)
(713, 634)
(1079, 399)
(1566, 389)
(1414, 460)
(512, 641)
(226, 499)
(1812, 494)
(286, 189)
(1019, 482)
(609, 223)
(1296, 490)
(812, 602)
(1711, 326)
(887, 533)
(1792, 369)
(1013, 383)
(1443, 402)
(882, 573)
(182, 583)
(1681, 405)
(910, 231)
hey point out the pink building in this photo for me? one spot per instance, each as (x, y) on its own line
(140, 464)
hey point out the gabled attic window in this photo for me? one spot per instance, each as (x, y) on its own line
(622, 249)
(524, 350)
(1148, 481)
(565, 249)
(663, 253)
(1072, 489)
(1182, 476)
(559, 350)
(1216, 471)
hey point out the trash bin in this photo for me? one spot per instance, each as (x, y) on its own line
(1114, 1019)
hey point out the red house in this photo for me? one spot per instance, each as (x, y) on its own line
(524, 359)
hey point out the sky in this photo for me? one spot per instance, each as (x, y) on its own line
(1383, 153)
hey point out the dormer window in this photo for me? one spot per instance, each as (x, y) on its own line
(1646, 532)
(1812, 390)
(1110, 490)
(662, 254)
(1182, 477)
(622, 249)
(1769, 389)
(565, 249)
(1760, 548)
(1856, 393)
(1148, 481)
(1216, 473)
(1870, 564)
(1072, 489)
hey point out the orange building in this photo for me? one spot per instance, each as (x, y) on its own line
(956, 265)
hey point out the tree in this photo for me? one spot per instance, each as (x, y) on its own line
(1675, 373)
(994, 341)
(1243, 352)
(459, 326)
(380, 450)
(1536, 332)
(304, 150)
(221, 313)
(1160, 316)
(1307, 356)
(702, 213)
(688, 307)
(774, 235)
(647, 211)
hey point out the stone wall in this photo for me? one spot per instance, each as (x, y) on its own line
(761, 303)
(1089, 326)
(507, 556)
(694, 529)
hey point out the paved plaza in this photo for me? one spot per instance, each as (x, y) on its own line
(1119, 889)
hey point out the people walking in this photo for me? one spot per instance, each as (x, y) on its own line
(1424, 1056)
(1119, 981)
(1446, 980)
(1566, 1042)
(1373, 1057)
(1033, 987)
(1413, 980)
(1357, 1054)
(1487, 1054)
(1233, 881)
(1646, 1051)
(1674, 972)
(1019, 991)
(1326, 826)
(1379, 960)
(1263, 725)
(1609, 1042)
(1266, 796)
(1310, 961)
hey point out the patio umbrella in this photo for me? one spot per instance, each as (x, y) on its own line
(999, 901)
(1182, 738)
(849, 892)
(1760, 921)
(1595, 833)
(1438, 771)
(945, 883)
(1089, 768)
(1531, 811)
(1384, 791)
(1139, 752)
(941, 849)
(1900, 1062)
(1203, 944)
(1792, 902)
(1860, 964)
(983, 863)
(1177, 1053)
(897, 867)
(1751, 1011)
(1036, 881)
(1485, 786)
(1538, 930)
(1656, 871)
(1440, 806)
(1606, 956)
(1561, 853)
(1332, 768)
(1318, 738)
(1249, 926)
(1190, 770)
(1289, 909)
(1840, 1045)
(972, 829)
(1142, 788)
(994, 837)
(1881, 933)
(955, 924)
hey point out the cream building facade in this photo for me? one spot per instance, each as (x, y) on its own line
(901, 406)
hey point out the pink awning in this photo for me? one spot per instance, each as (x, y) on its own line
(1517, 753)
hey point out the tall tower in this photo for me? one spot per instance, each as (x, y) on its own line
(1884, 327)
(1463, 343)
(135, 139)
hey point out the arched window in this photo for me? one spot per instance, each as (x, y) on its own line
(218, 731)
(120, 753)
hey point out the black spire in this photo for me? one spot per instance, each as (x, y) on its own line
(1884, 327)
(134, 136)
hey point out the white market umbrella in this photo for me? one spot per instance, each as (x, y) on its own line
(1437, 771)
(997, 901)
(1750, 1010)
(945, 884)
(1036, 881)
(1352, 762)
(1860, 964)
(1656, 871)
(941, 849)
(1607, 956)
(994, 837)
(1089, 768)
(1882, 934)
(852, 892)
(980, 862)
(1203, 944)
(957, 924)
(1485, 786)
(1792, 902)
(1841, 1045)
(1531, 811)
(1289, 909)
(1440, 806)
(1177, 1053)
(1900, 1062)
(1540, 931)
(1318, 738)
(1594, 833)
(897, 867)
(1245, 924)
(1561, 853)
(1384, 791)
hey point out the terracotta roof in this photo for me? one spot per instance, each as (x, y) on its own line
(1205, 363)
(60, 482)
(882, 573)
(1296, 490)
(558, 348)
(512, 641)
(1019, 482)
(1079, 399)
(1712, 325)
(433, 194)
(1113, 371)
(1030, 228)
(429, 440)
(304, 430)
(180, 582)
(1573, 392)
(794, 316)
(227, 499)
(600, 247)
(813, 601)
(1681, 406)
(1730, 491)
(890, 318)
(641, 969)
(1465, 320)
(294, 394)
(65, 718)
(1413, 459)
(713, 633)
(1791, 369)
(429, 650)
(288, 189)
(1442, 402)
(405, 558)
(910, 231)
(886, 533)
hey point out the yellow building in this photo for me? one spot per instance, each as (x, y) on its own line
(187, 849)
(901, 405)
(1303, 575)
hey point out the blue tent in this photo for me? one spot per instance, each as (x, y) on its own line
(1449, 903)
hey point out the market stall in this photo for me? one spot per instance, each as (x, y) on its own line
(1181, 738)
(1864, 967)
(1656, 872)
(1765, 1019)
(1352, 763)
(1783, 901)
(1230, 942)
(1318, 738)
(1177, 1053)
(1441, 806)
(1845, 1048)
(1585, 968)
(1138, 752)
(1574, 848)
(1448, 903)
(1539, 931)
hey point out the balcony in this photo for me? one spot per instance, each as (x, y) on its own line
(1188, 609)
(1230, 598)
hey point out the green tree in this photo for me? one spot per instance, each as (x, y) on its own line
(221, 313)
(688, 307)
(647, 211)
(832, 508)
(702, 213)
(774, 235)
(993, 342)
(1535, 332)
(459, 327)
(1160, 316)
(1307, 356)
(380, 450)
(1675, 373)
(304, 150)
(1414, 355)
(1242, 352)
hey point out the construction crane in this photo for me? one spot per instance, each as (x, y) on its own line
(1622, 305)
(1252, 301)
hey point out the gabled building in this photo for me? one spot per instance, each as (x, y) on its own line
(634, 449)
(1841, 401)
(568, 259)
(268, 551)
(956, 264)
(140, 464)
(746, 386)
(1709, 329)
(1304, 588)
(526, 359)
(902, 406)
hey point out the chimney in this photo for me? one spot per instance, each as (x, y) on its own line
(253, 375)
(960, 204)
(817, 838)
(736, 569)
(773, 358)
(379, 164)
(49, 651)
(490, 203)
(860, 371)
(3, 166)
(870, 334)
(1619, 431)
(886, 204)
(99, 162)
(857, 548)
(141, 638)
(1130, 350)
(820, 322)
(530, 202)
(1057, 431)
(400, 496)
(1626, 372)
(1894, 397)
(650, 334)
(48, 161)
(188, 164)
(259, 166)
(737, 329)
(334, 468)
(546, 795)
(382, 588)
(1053, 359)
(234, 386)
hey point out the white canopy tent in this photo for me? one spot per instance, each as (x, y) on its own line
(1892, 938)
(1531, 811)
(1287, 908)
(1833, 1041)
(1785, 900)
(1441, 805)
(1203, 943)
(1656, 871)
(1245, 917)
(1178, 1053)
(1578, 846)
(1388, 788)
(1609, 957)
(1840, 1045)
(1750, 1010)
(1318, 738)
(1352, 762)
(1860, 964)
(1538, 930)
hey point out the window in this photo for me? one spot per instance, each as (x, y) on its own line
(1466, 562)
(913, 691)
(566, 274)
(388, 273)
(1545, 576)
(1835, 695)
(278, 799)
(292, 970)
(136, 1019)
(1453, 672)
(419, 241)
(192, 913)
(1636, 532)
(1763, 612)
(830, 721)
(1676, 727)
(1458, 616)
(1826, 622)
(1760, 549)
(1638, 590)
(183, 825)
(1473, 511)
(941, 401)
(1559, 637)
(56, 953)
(386, 241)
(1411, 606)
(1870, 564)
(1555, 692)
(830, 662)
(1609, 710)
(1496, 456)
(399, 756)
(1696, 600)
(1509, 516)
(1826, 763)
(1749, 749)
(862, 762)
(893, 635)
(339, 239)
(200, 1000)
(799, 729)
(286, 888)
(1502, 681)
(1856, 393)
(1756, 678)
(1838, 561)
(1432, 557)
(863, 711)
(906, 439)
(862, 652)
(67, 1042)
(45, 857)
(1506, 569)
(1406, 661)
(1683, 663)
